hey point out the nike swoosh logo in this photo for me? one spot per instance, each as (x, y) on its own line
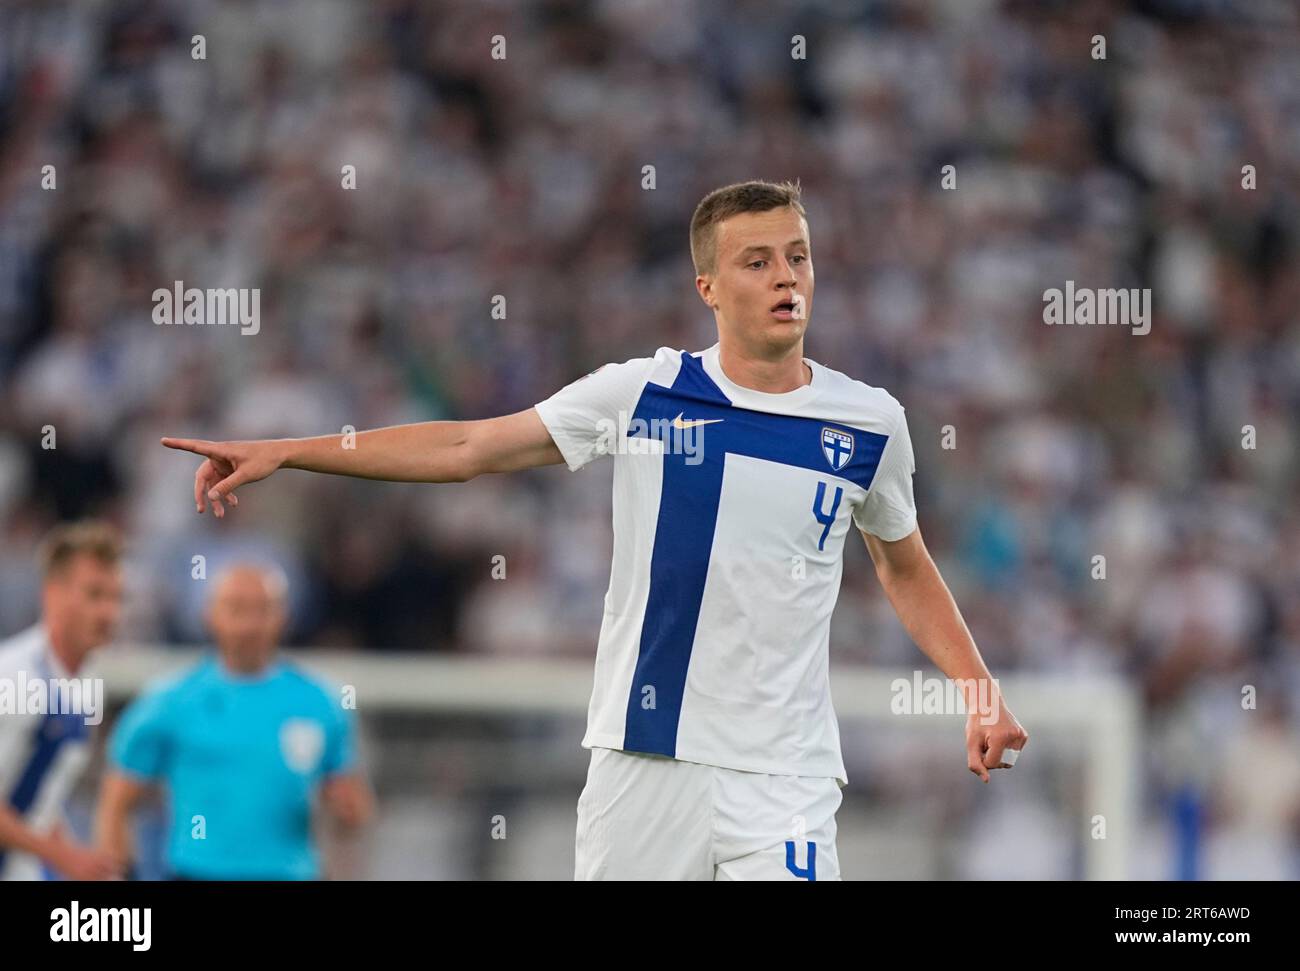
(683, 425)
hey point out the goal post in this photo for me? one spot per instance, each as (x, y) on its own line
(1098, 714)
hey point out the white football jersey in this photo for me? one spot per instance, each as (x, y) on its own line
(731, 508)
(42, 754)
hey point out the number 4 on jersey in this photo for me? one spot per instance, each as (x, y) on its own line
(827, 519)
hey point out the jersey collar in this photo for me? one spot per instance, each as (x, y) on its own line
(762, 400)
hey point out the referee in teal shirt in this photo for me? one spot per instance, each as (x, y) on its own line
(243, 742)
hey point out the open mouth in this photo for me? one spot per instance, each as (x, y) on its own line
(788, 309)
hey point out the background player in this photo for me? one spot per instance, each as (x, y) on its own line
(42, 755)
(242, 742)
(711, 654)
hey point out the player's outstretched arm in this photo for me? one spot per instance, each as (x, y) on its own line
(431, 451)
(928, 612)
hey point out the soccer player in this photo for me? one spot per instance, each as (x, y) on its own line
(738, 472)
(242, 741)
(44, 748)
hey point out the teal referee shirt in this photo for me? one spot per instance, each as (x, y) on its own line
(240, 756)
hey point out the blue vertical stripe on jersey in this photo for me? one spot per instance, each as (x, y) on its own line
(56, 729)
(688, 516)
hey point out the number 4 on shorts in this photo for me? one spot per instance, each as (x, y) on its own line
(807, 874)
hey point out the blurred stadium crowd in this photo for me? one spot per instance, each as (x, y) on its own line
(523, 177)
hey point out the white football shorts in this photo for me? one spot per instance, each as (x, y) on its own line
(650, 817)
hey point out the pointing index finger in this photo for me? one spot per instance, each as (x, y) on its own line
(196, 445)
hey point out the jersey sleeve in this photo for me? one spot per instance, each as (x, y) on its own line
(583, 417)
(141, 741)
(340, 740)
(889, 511)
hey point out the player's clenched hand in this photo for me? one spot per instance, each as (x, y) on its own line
(989, 734)
(227, 466)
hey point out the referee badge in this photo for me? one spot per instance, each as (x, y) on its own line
(302, 742)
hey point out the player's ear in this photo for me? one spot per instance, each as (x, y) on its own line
(704, 286)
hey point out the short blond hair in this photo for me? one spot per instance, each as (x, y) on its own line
(89, 537)
(731, 200)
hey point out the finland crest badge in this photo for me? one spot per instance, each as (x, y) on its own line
(838, 447)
